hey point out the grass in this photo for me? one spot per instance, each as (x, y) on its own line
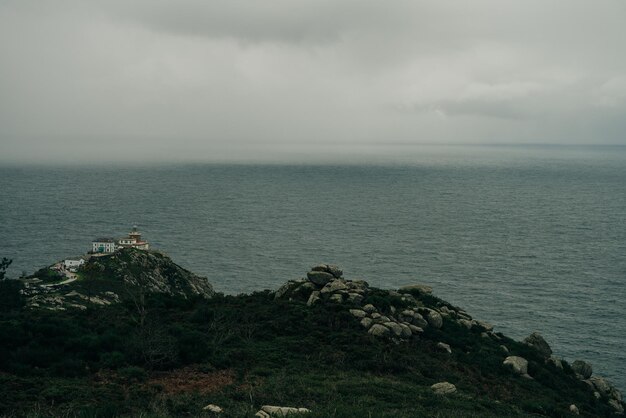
(241, 352)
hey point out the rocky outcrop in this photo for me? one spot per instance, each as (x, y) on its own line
(149, 270)
(536, 341)
(125, 274)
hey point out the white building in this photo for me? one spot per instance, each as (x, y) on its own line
(134, 240)
(73, 265)
(103, 245)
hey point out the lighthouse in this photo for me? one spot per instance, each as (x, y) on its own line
(134, 240)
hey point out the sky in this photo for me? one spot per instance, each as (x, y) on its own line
(195, 80)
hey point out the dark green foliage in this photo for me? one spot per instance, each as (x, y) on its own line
(384, 301)
(48, 275)
(102, 362)
(10, 296)
(4, 264)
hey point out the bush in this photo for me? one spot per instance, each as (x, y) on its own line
(112, 360)
(132, 374)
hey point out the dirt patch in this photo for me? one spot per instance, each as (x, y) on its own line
(189, 379)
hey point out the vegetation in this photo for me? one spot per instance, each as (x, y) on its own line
(240, 352)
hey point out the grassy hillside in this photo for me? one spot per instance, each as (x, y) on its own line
(241, 352)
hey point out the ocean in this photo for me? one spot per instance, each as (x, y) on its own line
(529, 238)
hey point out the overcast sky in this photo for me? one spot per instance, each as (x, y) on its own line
(103, 80)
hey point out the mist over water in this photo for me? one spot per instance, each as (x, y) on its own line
(528, 238)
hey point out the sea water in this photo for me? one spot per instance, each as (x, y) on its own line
(527, 238)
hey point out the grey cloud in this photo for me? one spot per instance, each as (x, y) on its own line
(189, 79)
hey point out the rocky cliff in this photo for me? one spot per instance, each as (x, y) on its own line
(107, 279)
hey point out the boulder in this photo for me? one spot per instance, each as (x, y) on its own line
(504, 349)
(379, 330)
(574, 409)
(539, 343)
(358, 313)
(369, 308)
(336, 297)
(555, 362)
(419, 321)
(320, 278)
(466, 323)
(434, 319)
(213, 408)
(367, 322)
(280, 411)
(617, 406)
(334, 286)
(443, 388)
(355, 298)
(518, 364)
(406, 331)
(416, 330)
(483, 326)
(395, 328)
(604, 387)
(419, 288)
(582, 369)
(444, 347)
(330, 269)
(314, 298)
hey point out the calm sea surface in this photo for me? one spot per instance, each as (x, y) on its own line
(527, 238)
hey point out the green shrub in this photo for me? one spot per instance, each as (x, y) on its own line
(112, 360)
(132, 374)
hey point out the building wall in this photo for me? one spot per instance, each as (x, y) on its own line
(108, 247)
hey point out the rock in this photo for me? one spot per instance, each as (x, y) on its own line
(466, 323)
(406, 331)
(213, 408)
(518, 364)
(619, 408)
(334, 286)
(330, 269)
(601, 385)
(444, 347)
(358, 313)
(337, 298)
(314, 298)
(539, 343)
(379, 331)
(419, 288)
(355, 298)
(434, 319)
(281, 411)
(484, 326)
(443, 388)
(419, 321)
(383, 318)
(504, 349)
(582, 369)
(574, 409)
(366, 322)
(293, 286)
(376, 315)
(605, 388)
(335, 270)
(416, 330)
(395, 328)
(556, 362)
(369, 308)
(320, 278)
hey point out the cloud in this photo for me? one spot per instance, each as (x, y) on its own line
(187, 78)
